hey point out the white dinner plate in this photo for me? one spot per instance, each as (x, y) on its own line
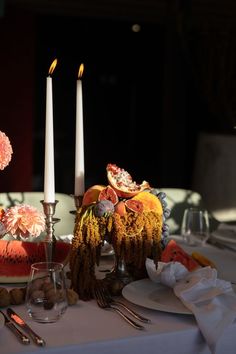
(2, 321)
(155, 296)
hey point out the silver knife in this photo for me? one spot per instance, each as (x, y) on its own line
(20, 322)
(220, 245)
(21, 336)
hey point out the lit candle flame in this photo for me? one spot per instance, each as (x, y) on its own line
(52, 67)
(81, 70)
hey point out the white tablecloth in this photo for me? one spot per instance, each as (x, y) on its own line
(87, 329)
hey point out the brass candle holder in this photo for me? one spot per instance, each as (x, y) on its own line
(49, 209)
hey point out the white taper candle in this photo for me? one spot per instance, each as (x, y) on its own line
(49, 175)
(79, 138)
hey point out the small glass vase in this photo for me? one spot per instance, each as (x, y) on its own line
(119, 276)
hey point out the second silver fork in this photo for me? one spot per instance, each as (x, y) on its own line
(103, 303)
(109, 298)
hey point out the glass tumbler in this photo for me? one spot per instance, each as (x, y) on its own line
(195, 227)
(46, 297)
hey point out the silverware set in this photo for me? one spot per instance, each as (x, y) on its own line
(105, 301)
(220, 245)
(20, 335)
(12, 320)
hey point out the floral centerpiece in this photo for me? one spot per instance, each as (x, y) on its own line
(128, 215)
(19, 221)
(18, 224)
(5, 151)
(22, 222)
(22, 234)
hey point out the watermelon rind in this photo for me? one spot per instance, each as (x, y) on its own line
(16, 258)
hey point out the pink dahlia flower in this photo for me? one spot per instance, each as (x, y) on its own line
(23, 221)
(5, 150)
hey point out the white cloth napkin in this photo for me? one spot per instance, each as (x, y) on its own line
(211, 300)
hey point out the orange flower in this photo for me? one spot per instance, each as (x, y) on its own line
(5, 150)
(23, 221)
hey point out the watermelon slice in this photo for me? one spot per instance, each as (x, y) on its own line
(16, 258)
(175, 253)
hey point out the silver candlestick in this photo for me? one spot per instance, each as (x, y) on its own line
(78, 202)
(49, 211)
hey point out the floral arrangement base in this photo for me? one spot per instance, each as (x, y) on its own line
(118, 277)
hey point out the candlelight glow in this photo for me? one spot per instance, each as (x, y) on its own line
(52, 67)
(81, 70)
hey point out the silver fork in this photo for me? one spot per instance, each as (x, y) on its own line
(111, 301)
(104, 304)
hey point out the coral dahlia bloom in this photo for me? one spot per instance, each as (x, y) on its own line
(5, 150)
(23, 221)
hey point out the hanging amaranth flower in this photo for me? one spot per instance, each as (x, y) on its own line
(5, 151)
(23, 221)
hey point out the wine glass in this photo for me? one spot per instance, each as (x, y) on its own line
(195, 227)
(46, 297)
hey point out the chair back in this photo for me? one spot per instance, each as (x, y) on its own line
(178, 200)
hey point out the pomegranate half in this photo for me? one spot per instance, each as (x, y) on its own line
(123, 183)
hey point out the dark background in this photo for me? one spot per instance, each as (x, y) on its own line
(122, 96)
(147, 95)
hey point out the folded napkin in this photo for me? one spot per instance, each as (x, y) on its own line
(211, 300)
